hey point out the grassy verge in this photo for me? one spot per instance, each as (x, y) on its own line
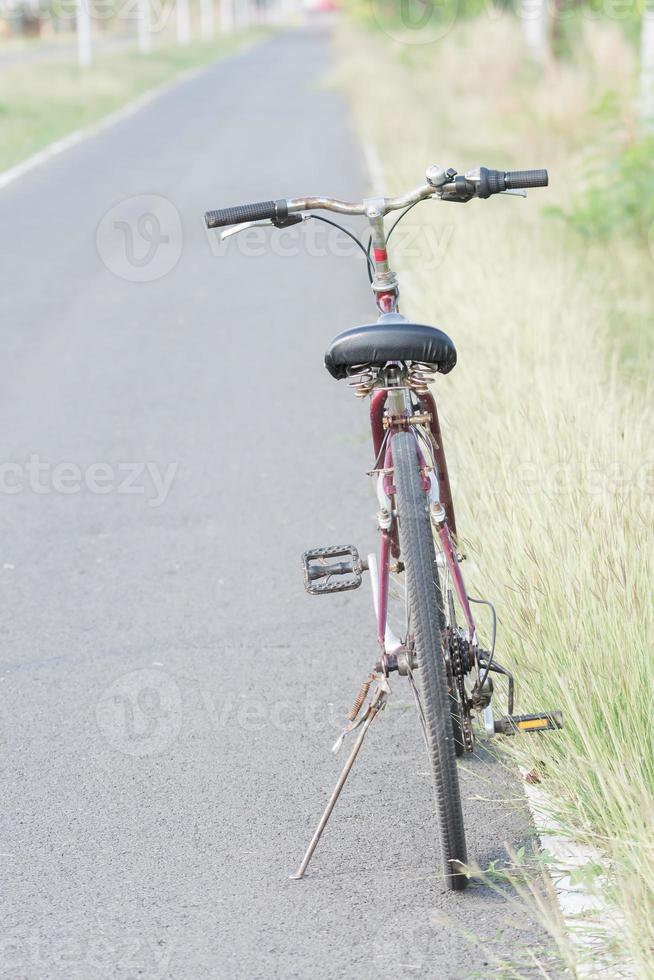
(548, 417)
(41, 102)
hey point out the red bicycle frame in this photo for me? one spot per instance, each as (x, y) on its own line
(386, 290)
(445, 528)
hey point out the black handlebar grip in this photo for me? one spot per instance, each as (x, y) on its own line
(496, 181)
(247, 212)
(526, 178)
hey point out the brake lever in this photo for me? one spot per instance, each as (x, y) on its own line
(235, 229)
(462, 196)
(290, 219)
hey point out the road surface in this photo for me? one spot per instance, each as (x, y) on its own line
(171, 444)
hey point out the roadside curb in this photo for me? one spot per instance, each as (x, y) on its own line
(574, 900)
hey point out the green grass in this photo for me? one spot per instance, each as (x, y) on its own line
(548, 418)
(42, 102)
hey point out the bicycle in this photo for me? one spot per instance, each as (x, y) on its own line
(394, 362)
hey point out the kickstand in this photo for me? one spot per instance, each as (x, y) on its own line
(377, 703)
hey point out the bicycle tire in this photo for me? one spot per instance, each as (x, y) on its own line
(426, 618)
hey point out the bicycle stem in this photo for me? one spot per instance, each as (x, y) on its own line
(384, 282)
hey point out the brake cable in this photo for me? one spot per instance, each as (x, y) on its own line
(366, 251)
(349, 234)
(485, 602)
(397, 220)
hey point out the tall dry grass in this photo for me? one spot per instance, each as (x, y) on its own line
(548, 428)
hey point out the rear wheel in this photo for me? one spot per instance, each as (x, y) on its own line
(424, 608)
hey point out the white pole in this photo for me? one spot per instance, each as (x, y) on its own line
(144, 26)
(83, 21)
(241, 13)
(206, 19)
(226, 16)
(647, 69)
(533, 14)
(183, 18)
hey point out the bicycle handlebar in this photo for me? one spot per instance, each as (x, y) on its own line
(444, 184)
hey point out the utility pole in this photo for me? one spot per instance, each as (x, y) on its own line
(183, 19)
(83, 24)
(242, 14)
(226, 16)
(206, 19)
(647, 68)
(144, 26)
(533, 14)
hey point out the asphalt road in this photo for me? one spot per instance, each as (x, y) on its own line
(170, 445)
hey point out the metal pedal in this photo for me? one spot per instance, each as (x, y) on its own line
(334, 569)
(546, 721)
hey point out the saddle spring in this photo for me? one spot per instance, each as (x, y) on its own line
(362, 378)
(420, 376)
